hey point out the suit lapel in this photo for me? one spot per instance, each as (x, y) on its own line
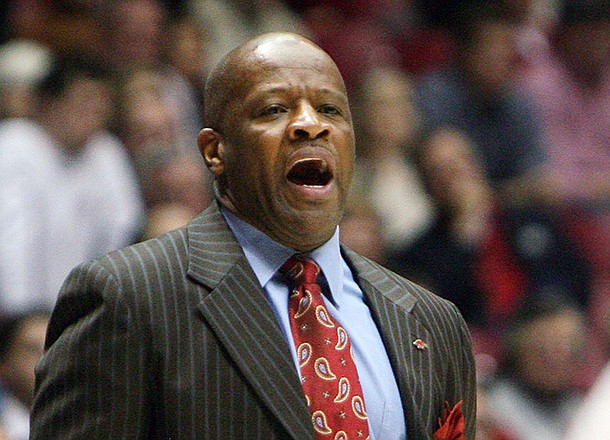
(391, 307)
(238, 311)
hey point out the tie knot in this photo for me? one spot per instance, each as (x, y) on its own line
(301, 269)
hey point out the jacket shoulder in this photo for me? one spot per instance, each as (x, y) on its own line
(166, 251)
(398, 288)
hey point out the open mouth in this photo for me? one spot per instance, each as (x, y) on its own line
(310, 172)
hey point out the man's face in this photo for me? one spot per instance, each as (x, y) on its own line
(550, 351)
(288, 149)
(451, 171)
(493, 57)
(83, 110)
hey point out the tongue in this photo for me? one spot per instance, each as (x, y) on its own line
(310, 172)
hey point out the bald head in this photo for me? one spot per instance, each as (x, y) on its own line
(233, 75)
(279, 138)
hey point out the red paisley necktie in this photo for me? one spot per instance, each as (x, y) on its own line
(329, 376)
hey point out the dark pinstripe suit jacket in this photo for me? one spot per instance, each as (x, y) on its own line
(174, 338)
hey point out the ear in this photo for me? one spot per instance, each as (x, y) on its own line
(212, 149)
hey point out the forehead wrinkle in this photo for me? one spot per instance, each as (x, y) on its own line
(246, 66)
(273, 79)
(276, 89)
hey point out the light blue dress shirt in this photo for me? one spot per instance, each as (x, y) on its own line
(345, 301)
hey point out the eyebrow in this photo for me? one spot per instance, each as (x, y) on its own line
(278, 90)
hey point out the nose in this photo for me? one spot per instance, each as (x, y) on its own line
(307, 124)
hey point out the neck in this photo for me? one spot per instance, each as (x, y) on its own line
(302, 239)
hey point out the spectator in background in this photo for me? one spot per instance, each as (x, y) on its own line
(482, 255)
(534, 398)
(171, 175)
(67, 190)
(134, 33)
(139, 36)
(477, 95)
(571, 85)
(174, 178)
(70, 28)
(591, 419)
(230, 22)
(184, 66)
(345, 27)
(487, 427)
(385, 173)
(361, 229)
(145, 121)
(21, 345)
(23, 64)
(533, 18)
(186, 51)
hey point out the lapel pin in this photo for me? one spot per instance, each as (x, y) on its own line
(420, 344)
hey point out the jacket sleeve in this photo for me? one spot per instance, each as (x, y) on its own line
(93, 380)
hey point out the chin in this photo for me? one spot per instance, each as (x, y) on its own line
(305, 231)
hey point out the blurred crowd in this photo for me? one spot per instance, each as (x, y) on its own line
(483, 169)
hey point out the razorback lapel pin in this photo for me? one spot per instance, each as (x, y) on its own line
(420, 344)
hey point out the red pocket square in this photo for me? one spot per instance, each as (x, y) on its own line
(451, 424)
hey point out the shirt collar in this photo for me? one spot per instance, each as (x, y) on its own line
(266, 255)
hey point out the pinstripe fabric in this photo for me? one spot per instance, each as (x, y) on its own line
(174, 338)
(445, 371)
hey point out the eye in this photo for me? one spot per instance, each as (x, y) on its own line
(329, 109)
(272, 109)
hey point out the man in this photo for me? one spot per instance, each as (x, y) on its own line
(187, 335)
(67, 190)
(477, 96)
(570, 82)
